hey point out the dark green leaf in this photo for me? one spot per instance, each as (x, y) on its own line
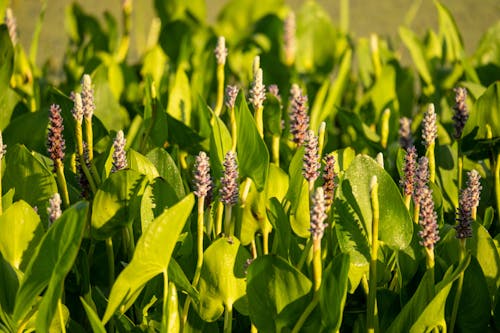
(117, 202)
(50, 264)
(151, 257)
(253, 156)
(272, 286)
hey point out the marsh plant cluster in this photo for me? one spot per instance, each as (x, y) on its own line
(267, 173)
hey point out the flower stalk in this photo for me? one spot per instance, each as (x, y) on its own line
(56, 147)
(231, 94)
(220, 55)
(429, 135)
(371, 316)
(257, 97)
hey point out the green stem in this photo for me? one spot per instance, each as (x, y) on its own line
(245, 191)
(372, 291)
(275, 148)
(164, 323)
(317, 276)
(87, 174)
(460, 162)
(304, 254)
(321, 138)
(220, 90)
(302, 319)
(234, 129)
(432, 162)
(259, 120)
(458, 294)
(228, 318)
(218, 218)
(61, 181)
(89, 137)
(111, 261)
(61, 316)
(407, 201)
(265, 240)
(416, 212)
(199, 262)
(130, 239)
(227, 220)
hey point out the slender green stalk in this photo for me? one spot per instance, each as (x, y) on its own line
(275, 148)
(200, 224)
(460, 163)
(416, 213)
(199, 262)
(432, 162)
(259, 120)
(304, 254)
(129, 230)
(265, 240)
(111, 261)
(218, 218)
(89, 137)
(61, 316)
(164, 322)
(317, 276)
(384, 131)
(245, 191)
(227, 220)
(407, 199)
(220, 89)
(61, 181)
(228, 318)
(321, 138)
(234, 129)
(371, 317)
(460, 282)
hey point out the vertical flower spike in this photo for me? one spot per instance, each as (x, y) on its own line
(289, 38)
(405, 138)
(428, 220)
(429, 126)
(318, 214)
(54, 209)
(422, 178)
(229, 191)
(258, 90)
(11, 23)
(77, 110)
(87, 96)
(119, 156)
(461, 111)
(474, 187)
(202, 180)
(231, 94)
(85, 187)
(221, 51)
(299, 119)
(274, 90)
(463, 227)
(329, 180)
(55, 143)
(409, 170)
(311, 165)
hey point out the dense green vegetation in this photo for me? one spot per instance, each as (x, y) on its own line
(269, 173)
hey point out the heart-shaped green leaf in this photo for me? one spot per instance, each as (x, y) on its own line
(222, 279)
(151, 257)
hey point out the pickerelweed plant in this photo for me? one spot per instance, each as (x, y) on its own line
(269, 172)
